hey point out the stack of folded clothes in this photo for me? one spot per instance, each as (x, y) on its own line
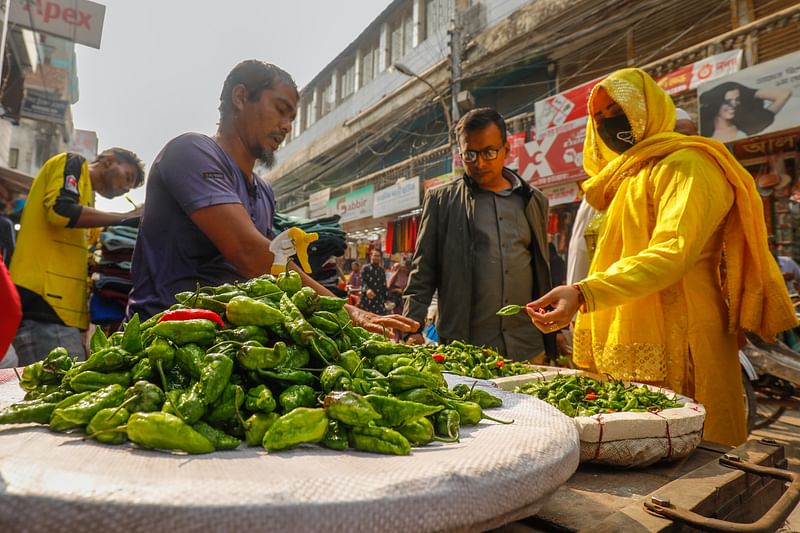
(111, 275)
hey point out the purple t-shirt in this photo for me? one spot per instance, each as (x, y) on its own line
(172, 254)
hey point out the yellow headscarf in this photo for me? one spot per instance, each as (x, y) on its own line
(757, 296)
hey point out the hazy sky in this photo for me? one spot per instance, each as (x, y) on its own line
(162, 63)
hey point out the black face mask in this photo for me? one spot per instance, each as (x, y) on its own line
(616, 132)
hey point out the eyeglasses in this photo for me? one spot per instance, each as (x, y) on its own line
(488, 154)
(733, 102)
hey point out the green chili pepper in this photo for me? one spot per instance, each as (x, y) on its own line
(98, 341)
(351, 361)
(336, 437)
(132, 338)
(161, 354)
(379, 439)
(80, 413)
(108, 360)
(324, 348)
(215, 373)
(302, 425)
(219, 439)
(284, 375)
(306, 300)
(261, 286)
(323, 324)
(289, 282)
(150, 322)
(105, 419)
(256, 426)
(260, 399)
(159, 430)
(143, 397)
(227, 405)
(395, 412)
(34, 376)
(349, 408)
(385, 363)
(196, 330)
(330, 377)
(407, 377)
(372, 348)
(331, 303)
(298, 327)
(418, 432)
(249, 333)
(92, 381)
(422, 395)
(297, 396)
(253, 356)
(510, 310)
(298, 357)
(38, 411)
(189, 358)
(245, 311)
(448, 423)
(142, 370)
(471, 413)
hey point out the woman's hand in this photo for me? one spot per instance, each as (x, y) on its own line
(381, 324)
(565, 301)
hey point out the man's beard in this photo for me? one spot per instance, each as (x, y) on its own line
(264, 156)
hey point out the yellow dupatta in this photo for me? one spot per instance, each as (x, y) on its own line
(755, 292)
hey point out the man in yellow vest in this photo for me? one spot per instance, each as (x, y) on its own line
(50, 262)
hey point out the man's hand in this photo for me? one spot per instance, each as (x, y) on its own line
(565, 301)
(416, 338)
(380, 324)
(370, 294)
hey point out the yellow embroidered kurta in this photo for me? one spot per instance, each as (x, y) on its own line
(656, 310)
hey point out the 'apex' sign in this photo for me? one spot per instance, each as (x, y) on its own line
(80, 21)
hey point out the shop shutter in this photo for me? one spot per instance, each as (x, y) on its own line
(779, 41)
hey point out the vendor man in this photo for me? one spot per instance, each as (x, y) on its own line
(482, 245)
(208, 218)
(50, 261)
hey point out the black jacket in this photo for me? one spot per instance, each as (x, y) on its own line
(443, 257)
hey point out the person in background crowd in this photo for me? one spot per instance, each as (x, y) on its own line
(11, 310)
(209, 218)
(50, 262)
(354, 279)
(789, 268)
(653, 308)
(373, 285)
(482, 244)
(7, 236)
(397, 283)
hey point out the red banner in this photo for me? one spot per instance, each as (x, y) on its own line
(563, 107)
(516, 142)
(556, 156)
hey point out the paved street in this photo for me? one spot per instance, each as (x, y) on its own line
(787, 431)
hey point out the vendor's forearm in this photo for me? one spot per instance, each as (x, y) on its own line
(94, 218)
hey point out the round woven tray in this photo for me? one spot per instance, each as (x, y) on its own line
(497, 473)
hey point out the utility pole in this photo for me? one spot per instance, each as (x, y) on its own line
(454, 32)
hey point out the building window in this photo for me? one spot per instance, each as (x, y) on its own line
(437, 16)
(327, 104)
(348, 81)
(308, 116)
(13, 158)
(401, 37)
(370, 64)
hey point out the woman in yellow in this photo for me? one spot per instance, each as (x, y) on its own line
(655, 306)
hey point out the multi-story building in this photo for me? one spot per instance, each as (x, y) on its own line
(379, 112)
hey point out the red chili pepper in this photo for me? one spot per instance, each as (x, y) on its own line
(439, 358)
(189, 314)
(500, 363)
(591, 395)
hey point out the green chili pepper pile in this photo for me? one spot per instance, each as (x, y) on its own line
(473, 361)
(584, 396)
(263, 363)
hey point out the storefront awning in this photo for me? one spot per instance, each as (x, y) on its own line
(15, 181)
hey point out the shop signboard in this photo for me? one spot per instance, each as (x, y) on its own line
(516, 143)
(758, 100)
(438, 181)
(711, 68)
(566, 193)
(563, 107)
(402, 196)
(318, 203)
(79, 21)
(42, 105)
(353, 205)
(556, 156)
(785, 141)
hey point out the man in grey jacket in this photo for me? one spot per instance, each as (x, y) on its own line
(483, 245)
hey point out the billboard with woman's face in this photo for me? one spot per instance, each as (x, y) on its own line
(761, 99)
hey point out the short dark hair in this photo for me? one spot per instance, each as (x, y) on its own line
(479, 118)
(126, 156)
(256, 76)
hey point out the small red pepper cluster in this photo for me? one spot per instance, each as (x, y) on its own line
(439, 358)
